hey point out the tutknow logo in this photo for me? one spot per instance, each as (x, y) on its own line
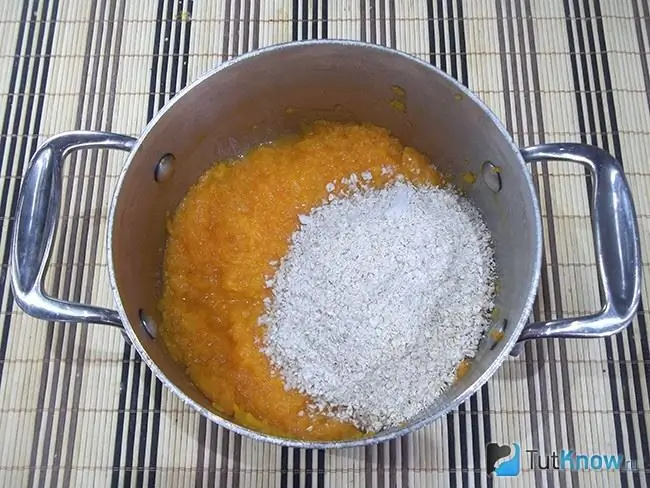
(505, 460)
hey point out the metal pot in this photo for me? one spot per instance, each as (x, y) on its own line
(273, 91)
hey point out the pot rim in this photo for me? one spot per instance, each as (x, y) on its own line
(379, 437)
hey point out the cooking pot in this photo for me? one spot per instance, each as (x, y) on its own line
(273, 91)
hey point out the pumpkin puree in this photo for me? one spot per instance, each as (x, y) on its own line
(232, 224)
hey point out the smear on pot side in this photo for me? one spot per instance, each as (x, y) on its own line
(325, 286)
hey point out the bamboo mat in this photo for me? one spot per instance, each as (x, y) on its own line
(78, 408)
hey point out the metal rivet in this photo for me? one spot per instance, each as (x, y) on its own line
(497, 333)
(164, 168)
(148, 324)
(492, 176)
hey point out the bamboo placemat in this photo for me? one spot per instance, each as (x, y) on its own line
(78, 408)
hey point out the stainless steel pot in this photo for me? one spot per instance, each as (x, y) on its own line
(272, 91)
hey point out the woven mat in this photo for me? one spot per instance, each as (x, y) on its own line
(78, 408)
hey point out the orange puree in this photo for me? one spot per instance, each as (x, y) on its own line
(224, 235)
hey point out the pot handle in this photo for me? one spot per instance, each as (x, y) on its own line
(36, 220)
(616, 242)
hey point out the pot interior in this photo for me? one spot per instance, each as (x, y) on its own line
(272, 92)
